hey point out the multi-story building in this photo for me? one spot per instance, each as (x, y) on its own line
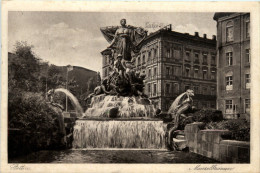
(174, 62)
(233, 78)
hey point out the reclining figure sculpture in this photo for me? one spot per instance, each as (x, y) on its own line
(181, 105)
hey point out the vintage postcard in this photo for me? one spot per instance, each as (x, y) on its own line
(130, 86)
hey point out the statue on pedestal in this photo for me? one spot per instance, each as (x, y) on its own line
(123, 80)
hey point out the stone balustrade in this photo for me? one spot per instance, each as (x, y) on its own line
(209, 143)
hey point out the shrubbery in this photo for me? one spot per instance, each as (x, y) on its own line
(239, 128)
(37, 121)
(29, 114)
(203, 115)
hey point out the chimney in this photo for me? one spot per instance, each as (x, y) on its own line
(205, 36)
(197, 34)
(213, 37)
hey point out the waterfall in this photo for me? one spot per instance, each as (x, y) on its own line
(73, 100)
(118, 133)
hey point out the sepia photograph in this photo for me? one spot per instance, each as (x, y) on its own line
(100, 87)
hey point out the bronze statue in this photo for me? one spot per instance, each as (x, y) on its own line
(123, 80)
(124, 39)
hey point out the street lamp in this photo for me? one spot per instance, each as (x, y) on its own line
(69, 68)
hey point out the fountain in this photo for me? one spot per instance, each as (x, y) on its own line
(120, 114)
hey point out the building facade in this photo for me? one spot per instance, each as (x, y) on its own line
(233, 78)
(174, 62)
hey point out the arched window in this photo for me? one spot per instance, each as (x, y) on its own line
(229, 31)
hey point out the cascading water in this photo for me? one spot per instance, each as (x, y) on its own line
(133, 127)
(73, 100)
(127, 133)
(127, 106)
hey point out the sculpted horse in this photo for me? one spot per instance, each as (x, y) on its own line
(177, 110)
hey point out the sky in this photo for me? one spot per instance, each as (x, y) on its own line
(74, 38)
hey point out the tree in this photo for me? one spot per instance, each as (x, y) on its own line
(24, 69)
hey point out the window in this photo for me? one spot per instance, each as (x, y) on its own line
(204, 74)
(186, 87)
(176, 53)
(204, 90)
(167, 104)
(247, 105)
(248, 81)
(167, 71)
(248, 27)
(229, 106)
(149, 88)
(229, 58)
(229, 32)
(168, 53)
(143, 59)
(213, 59)
(154, 89)
(139, 60)
(187, 71)
(187, 57)
(149, 73)
(149, 55)
(213, 91)
(176, 71)
(229, 82)
(196, 89)
(176, 88)
(167, 88)
(213, 75)
(212, 105)
(105, 72)
(205, 58)
(196, 73)
(155, 53)
(196, 57)
(155, 71)
(248, 55)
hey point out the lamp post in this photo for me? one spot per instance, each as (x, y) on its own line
(69, 68)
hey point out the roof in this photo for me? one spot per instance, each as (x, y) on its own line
(178, 34)
(219, 15)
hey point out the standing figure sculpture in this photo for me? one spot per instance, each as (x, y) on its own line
(124, 42)
(124, 39)
(177, 110)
